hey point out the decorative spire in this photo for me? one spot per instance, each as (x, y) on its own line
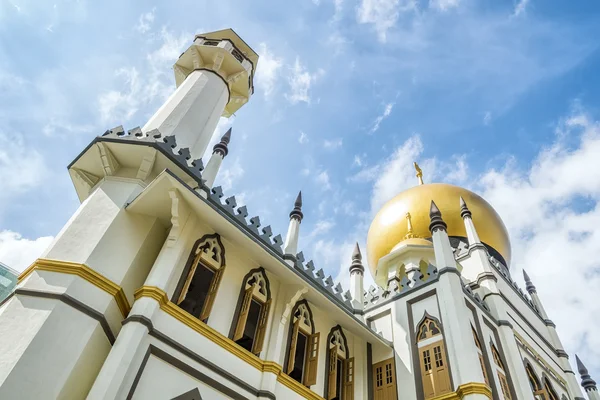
(464, 210)
(419, 173)
(586, 381)
(409, 228)
(356, 265)
(435, 216)
(297, 211)
(221, 147)
(528, 284)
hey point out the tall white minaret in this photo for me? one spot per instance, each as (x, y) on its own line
(291, 240)
(214, 78)
(357, 273)
(214, 164)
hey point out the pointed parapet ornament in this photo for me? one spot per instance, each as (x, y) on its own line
(464, 210)
(297, 211)
(222, 147)
(419, 172)
(586, 380)
(435, 216)
(409, 228)
(528, 284)
(356, 265)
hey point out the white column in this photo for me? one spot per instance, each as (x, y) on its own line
(220, 151)
(192, 112)
(291, 239)
(357, 272)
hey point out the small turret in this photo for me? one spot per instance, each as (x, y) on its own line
(444, 255)
(290, 248)
(357, 272)
(586, 381)
(465, 213)
(220, 151)
(528, 284)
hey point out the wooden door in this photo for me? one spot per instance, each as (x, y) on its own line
(384, 385)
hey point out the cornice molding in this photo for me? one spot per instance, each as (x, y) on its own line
(84, 272)
(218, 338)
(466, 389)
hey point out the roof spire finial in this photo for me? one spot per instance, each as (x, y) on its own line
(409, 228)
(464, 210)
(435, 216)
(419, 172)
(356, 265)
(528, 284)
(221, 147)
(586, 381)
(297, 211)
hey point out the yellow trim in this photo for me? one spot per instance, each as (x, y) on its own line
(84, 272)
(186, 318)
(465, 390)
(538, 358)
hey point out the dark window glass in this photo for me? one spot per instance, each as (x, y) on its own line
(251, 323)
(299, 359)
(196, 294)
(338, 380)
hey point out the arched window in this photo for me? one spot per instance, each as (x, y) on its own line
(500, 371)
(202, 275)
(253, 305)
(552, 395)
(303, 346)
(339, 379)
(480, 354)
(432, 358)
(540, 392)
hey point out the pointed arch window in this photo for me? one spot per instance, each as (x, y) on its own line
(202, 276)
(303, 346)
(432, 358)
(480, 355)
(501, 373)
(253, 311)
(339, 377)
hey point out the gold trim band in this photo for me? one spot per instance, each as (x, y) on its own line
(84, 272)
(216, 337)
(466, 389)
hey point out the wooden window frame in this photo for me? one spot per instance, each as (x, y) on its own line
(480, 355)
(195, 259)
(247, 295)
(501, 373)
(313, 343)
(427, 329)
(383, 379)
(347, 386)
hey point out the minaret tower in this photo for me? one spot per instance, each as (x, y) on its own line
(220, 151)
(291, 240)
(357, 273)
(587, 383)
(214, 78)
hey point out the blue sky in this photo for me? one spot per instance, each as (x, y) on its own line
(499, 96)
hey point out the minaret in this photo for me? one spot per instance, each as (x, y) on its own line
(220, 151)
(559, 348)
(291, 240)
(465, 213)
(214, 78)
(357, 273)
(444, 256)
(587, 383)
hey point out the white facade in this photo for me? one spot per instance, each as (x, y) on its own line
(103, 314)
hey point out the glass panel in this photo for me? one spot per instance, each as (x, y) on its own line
(437, 352)
(298, 370)
(379, 376)
(197, 291)
(427, 361)
(388, 374)
(251, 323)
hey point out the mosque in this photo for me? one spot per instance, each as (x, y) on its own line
(161, 287)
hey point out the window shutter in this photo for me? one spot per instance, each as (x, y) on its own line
(262, 327)
(212, 293)
(241, 322)
(310, 374)
(294, 339)
(188, 280)
(442, 384)
(427, 373)
(349, 379)
(332, 373)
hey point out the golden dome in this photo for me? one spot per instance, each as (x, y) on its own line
(389, 227)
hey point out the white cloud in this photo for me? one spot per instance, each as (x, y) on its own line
(521, 8)
(357, 161)
(145, 21)
(21, 167)
(303, 138)
(444, 5)
(487, 118)
(229, 174)
(323, 180)
(332, 144)
(383, 14)
(268, 70)
(300, 81)
(18, 252)
(386, 113)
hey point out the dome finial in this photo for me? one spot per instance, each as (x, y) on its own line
(409, 228)
(419, 172)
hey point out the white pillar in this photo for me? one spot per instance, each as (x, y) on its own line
(214, 164)
(192, 112)
(357, 272)
(462, 351)
(291, 240)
